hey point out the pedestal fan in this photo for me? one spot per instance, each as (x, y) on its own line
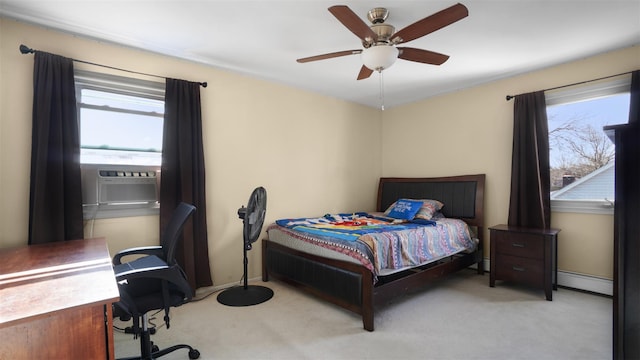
(252, 218)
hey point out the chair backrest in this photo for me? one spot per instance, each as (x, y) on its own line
(173, 230)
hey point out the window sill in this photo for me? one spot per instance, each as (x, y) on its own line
(582, 206)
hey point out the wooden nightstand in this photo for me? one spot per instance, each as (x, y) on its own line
(525, 255)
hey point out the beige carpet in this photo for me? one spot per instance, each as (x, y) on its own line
(458, 318)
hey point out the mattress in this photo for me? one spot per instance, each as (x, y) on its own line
(384, 253)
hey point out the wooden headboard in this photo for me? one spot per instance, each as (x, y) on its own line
(462, 196)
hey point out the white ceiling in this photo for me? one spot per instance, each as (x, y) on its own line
(261, 38)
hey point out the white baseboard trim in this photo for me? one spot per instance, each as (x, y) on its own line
(203, 291)
(577, 281)
(585, 282)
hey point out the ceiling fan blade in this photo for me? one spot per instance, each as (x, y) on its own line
(422, 56)
(329, 55)
(364, 73)
(430, 24)
(352, 22)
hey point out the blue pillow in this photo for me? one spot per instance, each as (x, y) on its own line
(405, 209)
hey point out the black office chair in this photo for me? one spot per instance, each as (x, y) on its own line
(154, 281)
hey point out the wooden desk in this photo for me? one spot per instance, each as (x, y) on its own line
(55, 301)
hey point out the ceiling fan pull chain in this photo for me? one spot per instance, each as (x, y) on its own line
(381, 91)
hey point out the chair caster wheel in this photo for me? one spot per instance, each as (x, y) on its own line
(194, 354)
(155, 348)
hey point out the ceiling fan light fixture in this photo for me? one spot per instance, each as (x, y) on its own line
(379, 57)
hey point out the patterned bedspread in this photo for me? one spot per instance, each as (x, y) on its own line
(379, 244)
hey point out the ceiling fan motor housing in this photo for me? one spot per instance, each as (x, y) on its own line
(384, 32)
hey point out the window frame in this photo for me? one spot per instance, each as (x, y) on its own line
(584, 92)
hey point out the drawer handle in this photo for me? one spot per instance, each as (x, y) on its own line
(517, 245)
(518, 268)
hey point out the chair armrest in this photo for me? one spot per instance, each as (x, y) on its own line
(142, 250)
(140, 264)
(155, 272)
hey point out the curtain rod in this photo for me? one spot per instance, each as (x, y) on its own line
(509, 97)
(27, 50)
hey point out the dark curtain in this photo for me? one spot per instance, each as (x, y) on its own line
(182, 177)
(55, 198)
(634, 101)
(530, 204)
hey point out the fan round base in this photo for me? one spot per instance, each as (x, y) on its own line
(241, 296)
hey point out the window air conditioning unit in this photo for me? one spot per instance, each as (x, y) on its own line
(126, 186)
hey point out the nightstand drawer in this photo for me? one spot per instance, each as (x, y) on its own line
(521, 270)
(519, 244)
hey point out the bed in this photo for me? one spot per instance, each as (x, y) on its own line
(338, 277)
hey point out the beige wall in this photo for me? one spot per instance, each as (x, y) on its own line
(256, 133)
(478, 124)
(585, 244)
(260, 133)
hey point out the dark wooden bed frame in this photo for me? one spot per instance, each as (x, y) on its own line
(351, 285)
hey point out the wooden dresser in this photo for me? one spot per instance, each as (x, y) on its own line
(56, 301)
(526, 256)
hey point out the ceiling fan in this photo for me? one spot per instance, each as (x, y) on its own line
(380, 39)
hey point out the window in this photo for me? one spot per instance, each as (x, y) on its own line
(120, 119)
(120, 123)
(581, 155)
